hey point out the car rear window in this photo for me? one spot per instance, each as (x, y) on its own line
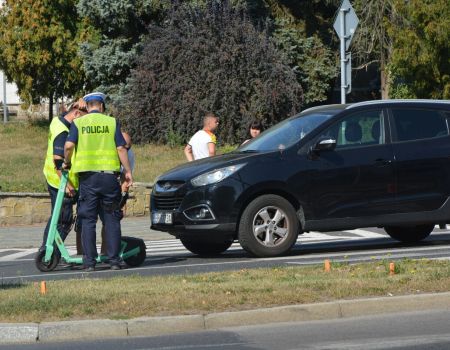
(417, 124)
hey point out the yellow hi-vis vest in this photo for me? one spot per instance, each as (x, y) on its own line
(56, 128)
(96, 148)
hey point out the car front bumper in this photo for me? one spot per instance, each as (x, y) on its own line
(220, 200)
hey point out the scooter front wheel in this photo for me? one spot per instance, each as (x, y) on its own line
(46, 266)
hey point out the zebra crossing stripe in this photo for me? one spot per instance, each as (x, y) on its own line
(165, 247)
(367, 234)
(18, 255)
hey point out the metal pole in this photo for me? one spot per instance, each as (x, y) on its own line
(342, 37)
(5, 108)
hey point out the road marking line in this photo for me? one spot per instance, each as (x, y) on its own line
(164, 247)
(367, 234)
(161, 267)
(17, 255)
(368, 257)
(198, 346)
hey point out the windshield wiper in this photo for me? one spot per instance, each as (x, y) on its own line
(249, 151)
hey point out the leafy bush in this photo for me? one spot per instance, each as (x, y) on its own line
(314, 63)
(112, 32)
(207, 58)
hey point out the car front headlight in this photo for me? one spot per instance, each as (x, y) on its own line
(215, 176)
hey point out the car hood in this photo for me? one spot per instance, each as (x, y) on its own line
(189, 170)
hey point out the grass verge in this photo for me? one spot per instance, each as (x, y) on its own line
(24, 146)
(135, 296)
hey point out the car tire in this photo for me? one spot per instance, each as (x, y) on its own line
(409, 234)
(262, 237)
(205, 248)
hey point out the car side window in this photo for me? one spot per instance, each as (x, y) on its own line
(359, 129)
(418, 124)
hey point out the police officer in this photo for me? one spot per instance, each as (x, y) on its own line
(59, 129)
(100, 150)
(123, 186)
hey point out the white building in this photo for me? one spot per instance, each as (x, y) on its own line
(12, 97)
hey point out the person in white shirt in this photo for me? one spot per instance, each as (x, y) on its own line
(203, 143)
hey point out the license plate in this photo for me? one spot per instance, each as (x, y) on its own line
(162, 218)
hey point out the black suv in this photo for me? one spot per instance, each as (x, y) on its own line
(335, 167)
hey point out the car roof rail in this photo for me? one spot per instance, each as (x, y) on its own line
(336, 105)
(376, 102)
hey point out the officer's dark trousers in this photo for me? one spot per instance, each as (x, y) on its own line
(65, 220)
(99, 190)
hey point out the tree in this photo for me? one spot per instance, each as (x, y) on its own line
(113, 34)
(203, 59)
(313, 62)
(419, 65)
(372, 43)
(38, 48)
(303, 31)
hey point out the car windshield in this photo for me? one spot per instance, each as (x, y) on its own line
(286, 133)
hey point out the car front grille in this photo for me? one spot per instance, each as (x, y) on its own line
(167, 203)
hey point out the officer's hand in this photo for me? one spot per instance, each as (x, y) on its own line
(70, 191)
(66, 166)
(128, 179)
(124, 187)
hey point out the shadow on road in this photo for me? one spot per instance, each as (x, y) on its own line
(340, 247)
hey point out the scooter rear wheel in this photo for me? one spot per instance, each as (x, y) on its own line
(138, 259)
(46, 266)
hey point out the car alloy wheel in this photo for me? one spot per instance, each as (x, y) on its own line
(270, 226)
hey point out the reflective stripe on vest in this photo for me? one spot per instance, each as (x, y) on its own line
(96, 147)
(56, 128)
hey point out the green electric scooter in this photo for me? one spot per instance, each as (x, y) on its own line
(132, 251)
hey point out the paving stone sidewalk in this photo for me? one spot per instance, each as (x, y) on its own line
(30, 236)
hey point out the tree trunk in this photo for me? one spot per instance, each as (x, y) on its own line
(384, 81)
(50, 108)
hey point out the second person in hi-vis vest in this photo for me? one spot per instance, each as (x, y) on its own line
(100, 150)
(58, 131)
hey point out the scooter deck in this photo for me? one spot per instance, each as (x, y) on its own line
(78, 259)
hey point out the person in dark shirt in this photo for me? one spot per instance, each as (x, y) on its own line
(59, 130)
(254, 129)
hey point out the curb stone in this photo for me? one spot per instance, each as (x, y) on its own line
(151, 326)
(18, 333)
(148, 326)
(90, 329)
(292, 313)
(375, 306)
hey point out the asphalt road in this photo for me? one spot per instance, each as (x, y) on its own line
(413, 331)
(169, 256)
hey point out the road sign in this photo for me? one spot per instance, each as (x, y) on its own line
(350, 22)
(345, 25)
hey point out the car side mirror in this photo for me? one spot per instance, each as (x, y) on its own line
(328, 144)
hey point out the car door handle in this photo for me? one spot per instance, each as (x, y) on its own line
(381, 161)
